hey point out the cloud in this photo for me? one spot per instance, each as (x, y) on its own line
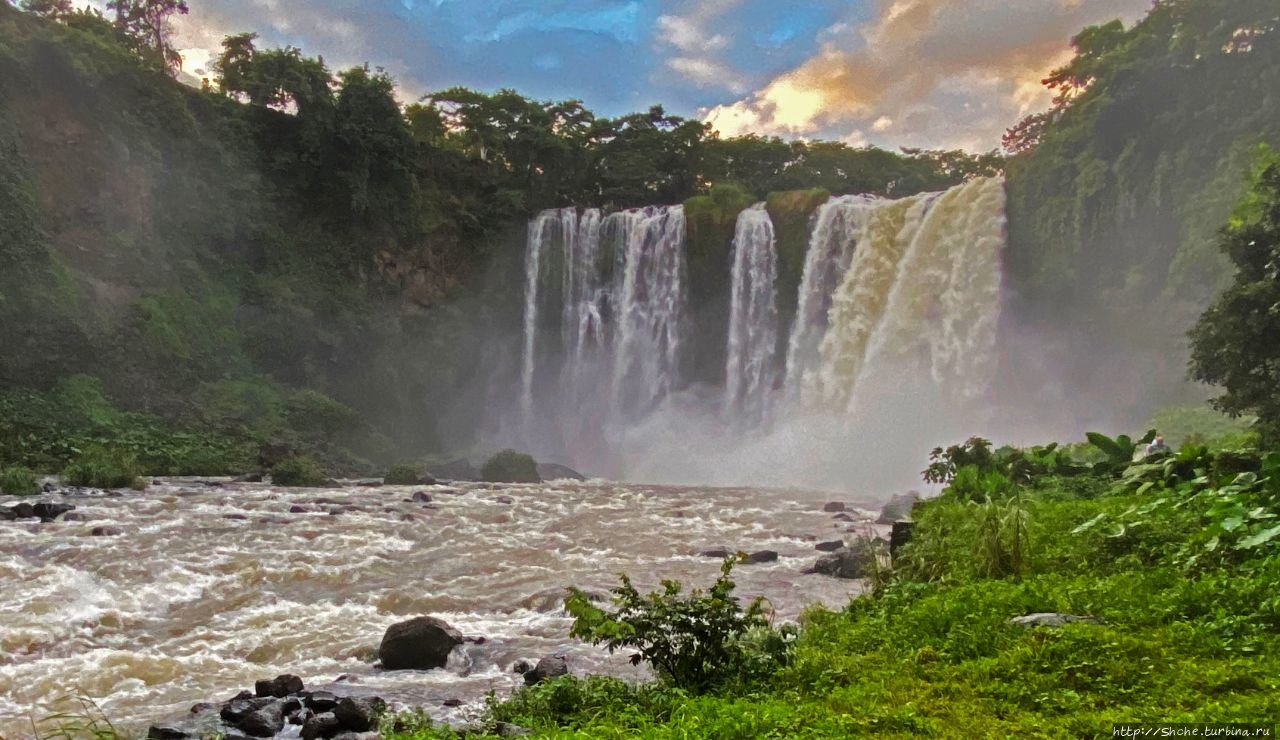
(938, 73)
(698, 48)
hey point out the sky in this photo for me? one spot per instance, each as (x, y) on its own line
(920, 73)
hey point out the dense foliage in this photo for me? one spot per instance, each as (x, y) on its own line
(293, 225)
(697, 642)
(1235, 344)
(1171, 560)
(1116, 194)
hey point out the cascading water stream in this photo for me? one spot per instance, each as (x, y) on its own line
(897, 303)
(650, 308)
(753, 317)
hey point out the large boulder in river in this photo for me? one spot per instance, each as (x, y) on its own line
(855, 563)
(421, 643)
(510, 466)
(556, 471)
(548, 667)
(898, 507)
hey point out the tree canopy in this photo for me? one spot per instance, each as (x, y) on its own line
(1236, 343)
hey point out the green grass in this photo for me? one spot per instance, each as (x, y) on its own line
(18, 481)
(1189, 631)
(103, 467)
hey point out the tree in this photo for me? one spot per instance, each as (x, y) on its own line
(146, 25)
(56, 9)
(1236, 343)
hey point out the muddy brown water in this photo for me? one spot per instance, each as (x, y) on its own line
(207, 588)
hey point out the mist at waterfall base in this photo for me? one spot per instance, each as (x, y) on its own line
(891, 348)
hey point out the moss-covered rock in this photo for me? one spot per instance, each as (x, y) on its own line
(792, 213)
(709, 222)
(298, 471)
(510, 466)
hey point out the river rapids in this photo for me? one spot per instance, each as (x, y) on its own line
(200, 588)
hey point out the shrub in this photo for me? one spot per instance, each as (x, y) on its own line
(402, 475)
(697, 642)
(103, 467)
(298, 471)
(510, 466)
(18, 481)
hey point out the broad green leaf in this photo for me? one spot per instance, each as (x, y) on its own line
(1261, 538)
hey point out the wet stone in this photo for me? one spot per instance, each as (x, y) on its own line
(454, 702)
(280, 686)
(325, 724)
(831, 546)
(715, 552)
(265, 721)
(169, 732)
(359, 714)
(322, 701)
(833, 506)
(761, 556)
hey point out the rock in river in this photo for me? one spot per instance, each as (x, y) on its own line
(421, 643)
(549, 667)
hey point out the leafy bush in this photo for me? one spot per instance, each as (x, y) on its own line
(298, 471)
(103, 467)
(697, 642)
(403, 475)
(510, 466)
(18, 481)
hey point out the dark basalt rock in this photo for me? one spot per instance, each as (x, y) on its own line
(548, 667)
(831, 546)
(49, 511)
(422, 643)
(521, 666)
(845, 564)
(280, 686)
(453, 702)
(899, 536)
(842, 517)
(359, 714)
(555, 471)
(170, 732)
(325, 724)
(833, 506)
(23, 510)
(899, 506)
(761, 556)
(716, 552)
(234, 711)
(321, 701)
(7, 514)
(264, 721)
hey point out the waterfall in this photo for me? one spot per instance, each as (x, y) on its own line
(650, 307)
(920, 300)
(620, 279)
(831, 245)
(560, 223)
(753, 316)
(895, 321)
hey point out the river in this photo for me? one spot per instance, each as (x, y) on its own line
(201, 587)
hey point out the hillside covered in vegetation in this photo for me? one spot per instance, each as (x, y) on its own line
(289, 261)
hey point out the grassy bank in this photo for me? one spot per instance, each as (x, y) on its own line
(1175, 560)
